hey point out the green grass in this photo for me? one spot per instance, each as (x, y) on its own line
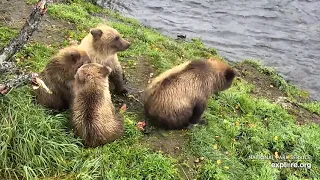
(35, 56)
(6, 34)
(240, 126)
(313, 107)
(36, 143)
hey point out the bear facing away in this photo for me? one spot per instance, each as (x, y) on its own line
(59, 76)
(94, 118)
(102, 44)
(178, 97)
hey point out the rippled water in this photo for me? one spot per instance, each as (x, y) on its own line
(284, 34)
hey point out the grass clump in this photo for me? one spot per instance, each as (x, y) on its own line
(33, 142)
(35, 56)
(75, 13)
(241, 127)
(36, 143)
(313, 107)
(6, 34)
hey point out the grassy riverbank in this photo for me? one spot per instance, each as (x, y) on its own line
(250, 119)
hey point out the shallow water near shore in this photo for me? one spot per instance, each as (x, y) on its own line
(284, 34)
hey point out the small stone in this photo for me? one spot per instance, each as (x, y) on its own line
(201, 158)
(197, 160)
(149, 81)
(151, 75)
(271, 86)
(2, 87)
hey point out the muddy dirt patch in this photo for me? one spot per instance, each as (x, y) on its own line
(137, 72)
(14, 13)
(264, 86)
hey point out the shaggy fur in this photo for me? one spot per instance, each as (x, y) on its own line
(94, 117)
(102, 44)
(178, 97)
(59, 76)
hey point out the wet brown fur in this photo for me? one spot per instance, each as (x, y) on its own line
(58, 75)
(102, 45)
(94, 117)
(178, 97)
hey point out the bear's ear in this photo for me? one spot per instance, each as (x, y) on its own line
(80, 76)
(96, 33)
(106, 71)
(74, 55)
(229, 74)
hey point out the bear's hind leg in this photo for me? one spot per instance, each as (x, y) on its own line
(197, 113)
(116, 77)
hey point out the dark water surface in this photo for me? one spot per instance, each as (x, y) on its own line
(284, 34)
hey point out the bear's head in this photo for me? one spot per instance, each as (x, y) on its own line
(108, 40)
(224, 74)
(92, 73)
(72, 58)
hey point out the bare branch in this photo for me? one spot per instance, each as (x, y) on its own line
(23, 79)
(7, 67)
(20, 80)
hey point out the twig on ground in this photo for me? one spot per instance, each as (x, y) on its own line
(134, 98)
(21, 80)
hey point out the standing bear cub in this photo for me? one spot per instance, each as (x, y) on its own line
(59, 76)
(102, 45)
(178, 97)
(94, 118)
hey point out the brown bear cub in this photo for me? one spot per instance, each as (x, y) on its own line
(94, 118)
(177, 98)
(58, 75)
(102, 44)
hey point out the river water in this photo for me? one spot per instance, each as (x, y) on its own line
(284, 34)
